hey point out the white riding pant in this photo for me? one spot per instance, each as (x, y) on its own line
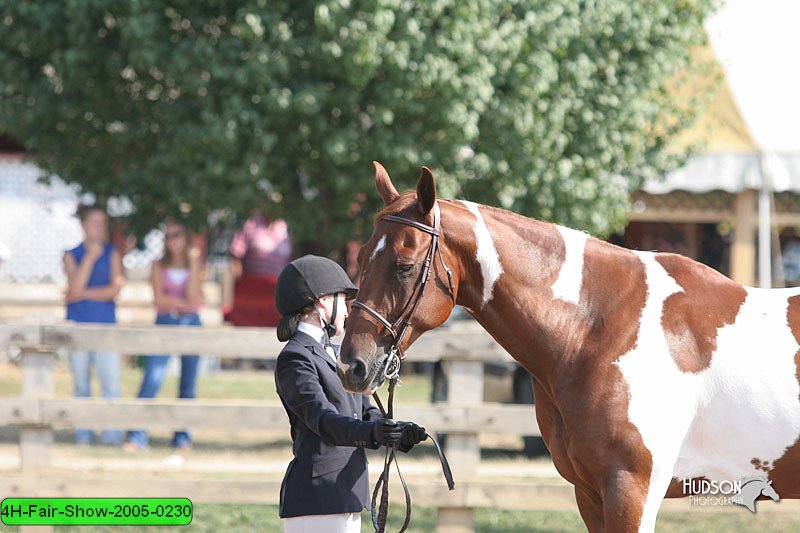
(323, 523)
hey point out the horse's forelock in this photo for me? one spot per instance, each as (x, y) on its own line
(405, 200)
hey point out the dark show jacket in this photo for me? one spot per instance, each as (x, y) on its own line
(330, 428)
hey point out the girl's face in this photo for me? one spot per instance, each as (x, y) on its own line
(95, 226)
(175, 239)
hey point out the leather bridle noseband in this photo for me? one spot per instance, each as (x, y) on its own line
(391, 368)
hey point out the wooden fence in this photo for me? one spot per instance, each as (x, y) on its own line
(37, 412)
(462, 351)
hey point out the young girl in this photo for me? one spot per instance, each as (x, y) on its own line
(177, 290)
(325, 486)
(94, 278)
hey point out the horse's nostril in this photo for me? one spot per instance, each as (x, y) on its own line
(358, 369)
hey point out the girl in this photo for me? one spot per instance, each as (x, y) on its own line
(177, 293)
(94, 278)
(325, 486)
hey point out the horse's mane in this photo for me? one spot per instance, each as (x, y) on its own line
(404, 200)
(407, 197)
(501, 211)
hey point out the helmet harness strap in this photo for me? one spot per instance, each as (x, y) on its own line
(329, 327)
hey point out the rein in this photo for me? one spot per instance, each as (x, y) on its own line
(391, 369)
(382, 485)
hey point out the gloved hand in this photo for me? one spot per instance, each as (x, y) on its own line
(412, 434)
(387, 432)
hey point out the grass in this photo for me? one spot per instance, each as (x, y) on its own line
(246, 518)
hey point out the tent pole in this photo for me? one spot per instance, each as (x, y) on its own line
(764, 228)
(743, 247)
(764, 240)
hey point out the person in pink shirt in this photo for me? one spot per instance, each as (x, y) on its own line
(259, 251)
(177, 291)
(261, 248)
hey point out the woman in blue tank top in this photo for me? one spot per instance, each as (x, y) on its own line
(94, 278)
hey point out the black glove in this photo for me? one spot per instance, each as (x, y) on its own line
(412, 434)
(387, 432)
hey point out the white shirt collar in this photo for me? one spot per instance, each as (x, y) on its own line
(318, 335)
(312, 331)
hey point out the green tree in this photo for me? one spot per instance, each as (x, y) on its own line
(218, 106)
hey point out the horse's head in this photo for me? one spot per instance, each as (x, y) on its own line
(405, 288)
(769, 491)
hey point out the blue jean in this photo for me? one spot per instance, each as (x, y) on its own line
(155, 369)
(107, 366)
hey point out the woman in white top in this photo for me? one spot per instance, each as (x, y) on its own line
(177, 290)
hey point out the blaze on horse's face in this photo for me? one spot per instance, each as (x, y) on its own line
(391, 263)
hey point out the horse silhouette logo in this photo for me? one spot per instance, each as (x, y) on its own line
(752, 488)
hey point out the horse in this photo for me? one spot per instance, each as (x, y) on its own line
(648, 368)
(752, 489)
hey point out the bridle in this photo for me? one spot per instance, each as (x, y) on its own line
(398, 330)
(391, 368)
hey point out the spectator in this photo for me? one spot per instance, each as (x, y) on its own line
(177, 293)
(259, 251)
(326, 486)
(94, 278)
(261, 248)
(790, 257)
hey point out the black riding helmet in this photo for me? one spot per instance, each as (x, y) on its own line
(302, 282)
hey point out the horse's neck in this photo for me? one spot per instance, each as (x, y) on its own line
(754, 487)
(536, 308)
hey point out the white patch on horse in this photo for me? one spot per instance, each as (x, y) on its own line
(380, 246)
(661, 398)
(749, 408)
(486, 254)
(567, 286)
(714, 422)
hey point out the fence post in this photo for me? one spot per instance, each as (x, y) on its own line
(36, 440)
(464, 386)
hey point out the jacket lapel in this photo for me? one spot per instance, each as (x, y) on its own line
(307, 341)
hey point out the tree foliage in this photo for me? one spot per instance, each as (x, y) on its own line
(221, 106)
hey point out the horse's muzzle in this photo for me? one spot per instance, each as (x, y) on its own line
(358, 376)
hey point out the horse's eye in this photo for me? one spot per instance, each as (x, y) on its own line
(404, 268)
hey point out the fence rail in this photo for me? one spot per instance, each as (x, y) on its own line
(459, 342)
(156, 414)
(44, 302)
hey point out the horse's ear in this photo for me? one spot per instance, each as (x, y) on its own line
(384, 184)
(426, 191)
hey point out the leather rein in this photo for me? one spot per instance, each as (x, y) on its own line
(391, 368)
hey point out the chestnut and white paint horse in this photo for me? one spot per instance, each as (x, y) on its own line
(648, 368)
